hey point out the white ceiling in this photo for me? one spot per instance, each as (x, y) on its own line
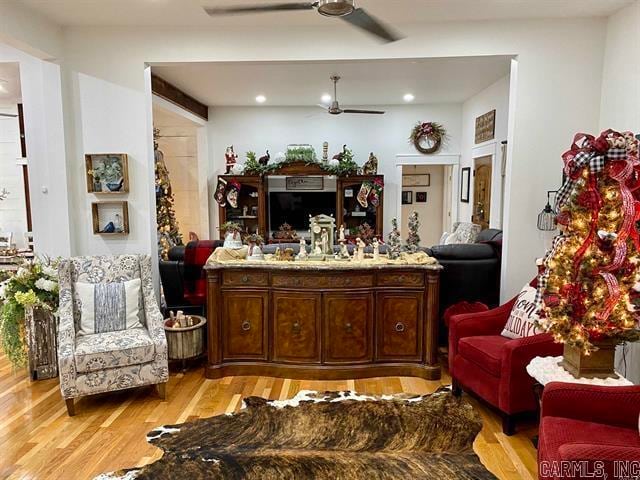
(190, 13)
(10, 83)
(364, 82)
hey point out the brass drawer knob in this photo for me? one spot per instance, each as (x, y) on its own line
(245, 279)
(246, 326)
(399, 327)
(296, 281)
(347, 281)
(348, 327)
(295, 327)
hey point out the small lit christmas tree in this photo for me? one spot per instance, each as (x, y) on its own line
(168, 233)
(588, 291)
(413, 240)
(393, 245)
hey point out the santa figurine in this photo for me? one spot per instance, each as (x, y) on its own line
(230, 158)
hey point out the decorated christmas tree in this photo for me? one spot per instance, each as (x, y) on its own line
(393, 245)
(413, 240)
(168, 233)
(588, 290)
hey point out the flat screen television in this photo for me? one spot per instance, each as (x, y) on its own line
(294, 208)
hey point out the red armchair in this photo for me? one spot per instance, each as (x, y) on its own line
(493, 367)
(592, 428)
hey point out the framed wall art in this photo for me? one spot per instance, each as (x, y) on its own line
(421, 197)
(416, 180)
(465, 181)
(407, 197)
(486, 127)
(107, 172)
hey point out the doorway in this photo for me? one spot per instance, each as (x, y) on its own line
(179, 137)
(15, 210)
(482, 191)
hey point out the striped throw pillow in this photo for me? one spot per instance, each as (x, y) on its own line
(108, 307)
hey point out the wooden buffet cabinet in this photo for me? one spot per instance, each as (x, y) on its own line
(327, 322)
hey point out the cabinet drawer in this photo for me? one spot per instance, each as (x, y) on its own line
(399, 326)
(296, 327)
(401, 279)
(245, 278)
(346, 280)
(348, 328)
(244, 325)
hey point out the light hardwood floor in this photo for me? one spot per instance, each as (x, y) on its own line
(39, 441)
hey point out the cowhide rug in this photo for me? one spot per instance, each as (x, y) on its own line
(328, 436)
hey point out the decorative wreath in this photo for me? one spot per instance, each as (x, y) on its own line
(427, 137)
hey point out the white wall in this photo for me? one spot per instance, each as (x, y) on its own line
(496, 97)
(44, 132)
(620, 107)
(551, 104)
(272, 128)
(108, 117)
(620, 110)
(29, 31)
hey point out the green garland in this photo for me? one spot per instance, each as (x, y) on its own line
(347, 166)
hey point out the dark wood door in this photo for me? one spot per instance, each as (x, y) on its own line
(348, 325)
(244, 322)
(296, 327)
(399, 326)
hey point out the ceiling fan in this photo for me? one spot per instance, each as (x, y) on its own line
(346, 9)
(334, 108)
(11, 115)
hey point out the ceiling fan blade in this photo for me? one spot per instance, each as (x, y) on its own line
(324, 107)
(273, 7)
(361, 19)
(370, 112)
(11, 115)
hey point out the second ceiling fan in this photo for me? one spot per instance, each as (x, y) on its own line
(345, 9)
(334, 108)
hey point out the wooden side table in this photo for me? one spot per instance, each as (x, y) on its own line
(186, 343)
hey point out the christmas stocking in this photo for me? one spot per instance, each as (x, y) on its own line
(220, 191)
(233, 189)
(376, 190)
(365, 188)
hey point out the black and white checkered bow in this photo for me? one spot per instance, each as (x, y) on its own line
(594, 160)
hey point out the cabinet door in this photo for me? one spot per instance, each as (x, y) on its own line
(399, 326)
(244, 322)
(296, 327)
(348, 327)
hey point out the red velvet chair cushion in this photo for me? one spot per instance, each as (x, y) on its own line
(560, 433)
(484, 351)
(564, 440)
(463, 307)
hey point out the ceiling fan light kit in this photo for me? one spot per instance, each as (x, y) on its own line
(336, 8)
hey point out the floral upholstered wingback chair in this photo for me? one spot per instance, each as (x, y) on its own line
(112, 360)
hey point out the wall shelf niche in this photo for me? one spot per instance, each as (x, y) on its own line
(116, 164)
(110, 218)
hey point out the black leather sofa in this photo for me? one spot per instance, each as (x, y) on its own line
(471, 272)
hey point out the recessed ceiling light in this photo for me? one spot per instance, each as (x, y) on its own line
(261, 99)
(326, 98)
(409, 97)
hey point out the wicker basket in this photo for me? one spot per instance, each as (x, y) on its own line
(186, 343)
